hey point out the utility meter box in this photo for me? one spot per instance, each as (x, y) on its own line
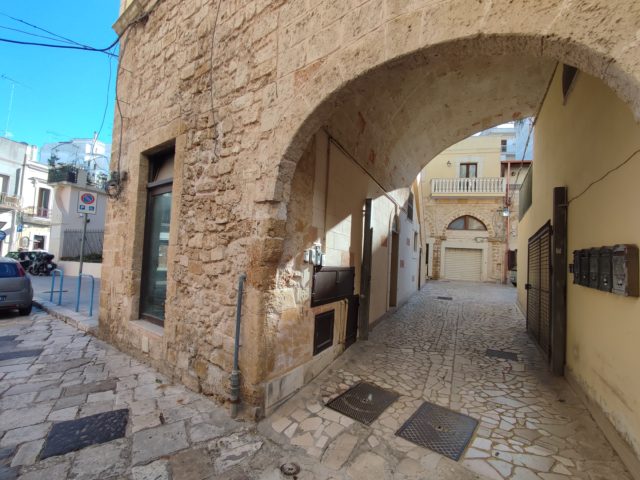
(604, 269)
(584, 268)
(576, 267)
(624, 262)
(594, 257)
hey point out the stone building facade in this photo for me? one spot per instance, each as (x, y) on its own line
(477, 178)
(236, 91)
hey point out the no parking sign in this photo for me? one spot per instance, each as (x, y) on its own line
(87, 202)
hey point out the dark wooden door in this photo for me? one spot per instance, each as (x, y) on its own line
(539, 288)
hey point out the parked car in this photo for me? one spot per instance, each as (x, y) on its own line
(16, 291)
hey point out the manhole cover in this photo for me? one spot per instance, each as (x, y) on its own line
(445, 298)
(502, 354)
(20, 354)
(364, 402)
(73, 435)
(439, 429)
(290, 469)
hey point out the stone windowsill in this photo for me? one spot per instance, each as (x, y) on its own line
(149, 327)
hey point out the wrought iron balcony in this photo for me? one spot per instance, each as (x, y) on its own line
(65, 173)
(9, 202)
(480, 186)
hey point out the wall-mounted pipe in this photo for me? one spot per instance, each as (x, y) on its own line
(235, 373)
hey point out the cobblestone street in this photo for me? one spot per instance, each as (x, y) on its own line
(532, 426)
(62, 391)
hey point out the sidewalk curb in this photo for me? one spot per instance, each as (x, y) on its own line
(70, 317)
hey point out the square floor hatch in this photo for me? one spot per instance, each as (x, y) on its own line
(502, 354)
(364, 402)
(73, 435)
(439, 429)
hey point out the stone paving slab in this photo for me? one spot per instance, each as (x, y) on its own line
(531, 425)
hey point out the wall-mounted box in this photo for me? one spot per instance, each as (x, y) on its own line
(584, 268)
(576, 267)
(594, 257)
(625, 270)
(604, 269)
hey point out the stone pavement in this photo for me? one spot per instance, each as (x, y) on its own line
(61, 389)
(532, 425)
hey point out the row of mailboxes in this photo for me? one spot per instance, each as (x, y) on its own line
(610, 269)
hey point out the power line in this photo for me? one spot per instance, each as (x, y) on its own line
(30, 33)
(67, 40)
(68, 47)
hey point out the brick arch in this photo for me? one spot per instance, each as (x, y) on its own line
(488, 222)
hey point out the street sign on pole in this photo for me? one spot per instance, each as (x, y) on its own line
(87, 202)
(3, 235)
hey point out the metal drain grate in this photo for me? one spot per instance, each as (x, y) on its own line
(445, 298)
(439, 429)
(73, 435)
(364, 402)
(502, 354)
(19, 354)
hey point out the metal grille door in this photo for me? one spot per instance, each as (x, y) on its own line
(539, 288)
(463, 264)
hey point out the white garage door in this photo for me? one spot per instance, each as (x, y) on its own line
(463, 264)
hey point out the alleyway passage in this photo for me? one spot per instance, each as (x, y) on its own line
(532, 426)
(63, 391)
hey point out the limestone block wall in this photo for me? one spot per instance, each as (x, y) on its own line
(439, 213)
(240, 88)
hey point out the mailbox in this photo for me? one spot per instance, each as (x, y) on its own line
(604, 269)
(624, 261)
(576, 267)
(594, 257)
(584, 268)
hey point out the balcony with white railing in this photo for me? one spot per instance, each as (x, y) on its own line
(480, 186)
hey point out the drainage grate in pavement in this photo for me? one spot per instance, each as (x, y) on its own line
(19, 354)
(502, 354)
(445, 298)
(439, 429)
(364, 402)
(73, 435)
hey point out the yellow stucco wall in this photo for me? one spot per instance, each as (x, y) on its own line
(576, 144)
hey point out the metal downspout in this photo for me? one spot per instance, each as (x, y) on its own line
(235, 373)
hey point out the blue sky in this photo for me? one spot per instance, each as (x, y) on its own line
(58, 94)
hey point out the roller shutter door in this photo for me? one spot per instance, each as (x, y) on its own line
(539, 289)
(463, 264)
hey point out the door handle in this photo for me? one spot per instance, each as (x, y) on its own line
(527, 286)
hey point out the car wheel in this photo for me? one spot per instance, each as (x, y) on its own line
(26, 310)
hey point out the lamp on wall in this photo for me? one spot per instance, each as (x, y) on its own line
(448, 163)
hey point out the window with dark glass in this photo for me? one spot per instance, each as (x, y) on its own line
(153, 289)
(466, 222)
(42, 208)
(468, 170)
(410, 207)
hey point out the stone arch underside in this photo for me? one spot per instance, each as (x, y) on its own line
(394, 100)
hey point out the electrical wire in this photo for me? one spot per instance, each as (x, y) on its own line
(68, 47)
(106, 105)
(60, 37)
(31, 33)
(605, 175)
(213, 42)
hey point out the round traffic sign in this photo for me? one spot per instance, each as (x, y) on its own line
(87, 198)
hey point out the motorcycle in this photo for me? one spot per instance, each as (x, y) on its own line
(42, 264)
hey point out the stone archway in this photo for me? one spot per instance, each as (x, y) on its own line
(421, 79)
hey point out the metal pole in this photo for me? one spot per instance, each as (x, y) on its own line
(84, 233)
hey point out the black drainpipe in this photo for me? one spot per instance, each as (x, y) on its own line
(235, 373)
